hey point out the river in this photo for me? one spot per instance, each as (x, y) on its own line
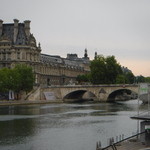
(76, 126)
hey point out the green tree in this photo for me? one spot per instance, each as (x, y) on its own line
(83, 78)
(147, 79)
(113, 69)
(104, 70)
(5, 80)
(140, 79)
(125, 78)
(121, 79)
(130, 78)
(20, 78)
(98, 70)
(23, 78)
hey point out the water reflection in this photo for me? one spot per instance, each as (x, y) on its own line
(64, 126)
(15, 131)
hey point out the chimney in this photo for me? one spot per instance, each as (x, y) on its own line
(1, 27)
(27, 27)
(15, 29)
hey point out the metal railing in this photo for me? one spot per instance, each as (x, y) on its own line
(113, 144)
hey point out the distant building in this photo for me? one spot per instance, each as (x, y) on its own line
(125, 70)
(18, 46)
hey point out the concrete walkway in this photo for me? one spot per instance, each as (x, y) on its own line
(129, 145)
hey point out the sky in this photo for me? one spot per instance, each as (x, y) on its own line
(108, 27)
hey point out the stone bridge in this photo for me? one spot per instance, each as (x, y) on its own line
(89, 92)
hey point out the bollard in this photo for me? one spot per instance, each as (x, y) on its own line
(108, 141)
(119, 137)
(122, 136)
(112, 140)
(98, 145)
(116, 138)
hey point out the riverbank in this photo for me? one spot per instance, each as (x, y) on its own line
(26, 102)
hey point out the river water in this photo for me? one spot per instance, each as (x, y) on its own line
(65, 126)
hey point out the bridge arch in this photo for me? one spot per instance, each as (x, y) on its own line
(79, 96)
(122, 94)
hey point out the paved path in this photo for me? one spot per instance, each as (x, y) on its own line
(130, 145)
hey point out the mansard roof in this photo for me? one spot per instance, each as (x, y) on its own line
(51, 59)
(55, 59)
(21, 37)
(8, 31)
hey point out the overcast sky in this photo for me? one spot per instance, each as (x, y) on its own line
(109, 27)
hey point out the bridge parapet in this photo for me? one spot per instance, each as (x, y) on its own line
(97, 92)
(102, 85)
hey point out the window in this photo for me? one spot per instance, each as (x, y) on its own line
(18, 55)
(4, 56)
(8, 56)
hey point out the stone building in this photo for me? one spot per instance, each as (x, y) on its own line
(18, 46)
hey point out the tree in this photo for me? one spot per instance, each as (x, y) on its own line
(83, 78)
(130, 78)
(104, 70)
(98, 70)
(20, 78)
(121, 79)
(140, 79)
(23, 78)
(5, 80)
(147, 79)
(125, 78)
(113, 69)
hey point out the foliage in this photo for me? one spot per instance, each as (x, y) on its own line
(5, 79)
(25, 78)
(83, 78)
(98, 70)
(105, 70)
(121, 79)
(140, 79)
(113, 69)
(18, 79)
(147, 79)
(130, 78)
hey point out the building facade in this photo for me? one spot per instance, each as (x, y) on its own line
(18, 46)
